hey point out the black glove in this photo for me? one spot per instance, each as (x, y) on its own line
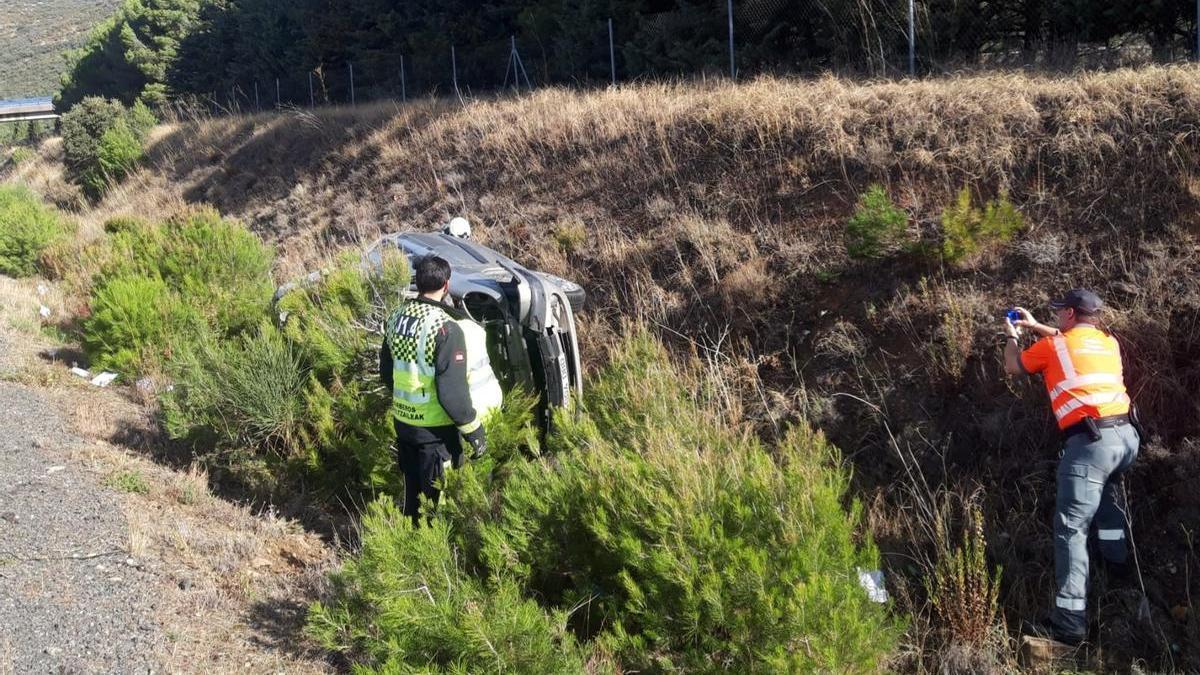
(478, 441)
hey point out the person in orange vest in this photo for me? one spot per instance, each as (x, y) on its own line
(1081, 367)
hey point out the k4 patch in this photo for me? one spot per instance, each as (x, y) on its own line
(459, 357)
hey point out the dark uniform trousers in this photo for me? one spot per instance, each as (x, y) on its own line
(424, 454)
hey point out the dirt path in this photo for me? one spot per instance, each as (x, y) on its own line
(71, 598)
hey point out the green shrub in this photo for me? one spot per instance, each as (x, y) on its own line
(305, 392)
(409, 606)
(117, 154)
(877, 227)
(102, 142)
(27, 228)
(219, 266)
(679, 542)
(133, 319)
(349, 428)
(248, 391)
(967, 230)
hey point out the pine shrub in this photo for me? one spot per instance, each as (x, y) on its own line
(103, 142)
(132, 320)
(406, 604)
(334, 322)
(117, 154)
(27, 228)
(877, 228)
(677, 541)
(968, 230)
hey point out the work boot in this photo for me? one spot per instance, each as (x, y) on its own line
(1049, 630)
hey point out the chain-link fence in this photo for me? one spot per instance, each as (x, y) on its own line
(582, 46)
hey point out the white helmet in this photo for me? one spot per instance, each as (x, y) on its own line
(459, 227)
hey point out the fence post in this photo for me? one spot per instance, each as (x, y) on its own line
(1198, 30)
(312, 101)
(732, 63)
(352, 100)
(454, 69)
(257, 107)
(612, 55)
(277, 99)
(912, 37)
(404, 94)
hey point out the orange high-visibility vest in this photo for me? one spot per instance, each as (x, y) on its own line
(1082, 369)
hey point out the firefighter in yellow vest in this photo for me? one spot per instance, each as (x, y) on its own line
(1081, 366)
(434, 359)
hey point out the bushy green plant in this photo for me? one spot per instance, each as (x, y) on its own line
(406, 604)
(349, 428)
(27, 227)
(132, 320)
(197, 274)
(102, 142)
(117, 154)
(680, 543)
(877, 227)
(248, 391)
(968, 230)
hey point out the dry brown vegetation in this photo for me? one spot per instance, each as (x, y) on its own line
(717, 212)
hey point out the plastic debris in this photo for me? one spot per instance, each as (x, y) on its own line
(872, 583)
(42, 289)
(54, 470)
(44, 312)
(104, 379)
(76, 370)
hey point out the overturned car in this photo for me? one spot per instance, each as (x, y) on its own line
(529, 316)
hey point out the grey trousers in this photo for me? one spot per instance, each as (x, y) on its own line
(1089, 491)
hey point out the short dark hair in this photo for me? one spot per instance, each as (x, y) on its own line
(431, 273)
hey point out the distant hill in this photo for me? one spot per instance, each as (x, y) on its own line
(33, 36)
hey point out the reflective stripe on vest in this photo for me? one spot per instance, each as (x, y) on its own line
(1088, 381)
(486, 395)
(411, 333)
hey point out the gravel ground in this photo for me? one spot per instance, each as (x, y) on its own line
(71, 598)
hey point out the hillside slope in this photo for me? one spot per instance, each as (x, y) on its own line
(34, 34)
(718, 212)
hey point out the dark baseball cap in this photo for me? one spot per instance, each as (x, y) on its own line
(1079, 299)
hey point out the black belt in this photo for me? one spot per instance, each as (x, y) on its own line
(1092, 425)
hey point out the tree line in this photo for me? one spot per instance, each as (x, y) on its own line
(155, 49)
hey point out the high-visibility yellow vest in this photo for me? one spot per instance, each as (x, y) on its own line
(411, 331)
(486, 395)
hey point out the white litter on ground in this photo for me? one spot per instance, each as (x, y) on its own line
(44, 312)
(54, 469)
(76, 370)
(872, 583)
(104, 379)
(42, 289)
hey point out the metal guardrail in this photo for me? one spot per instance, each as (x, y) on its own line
(27, 110)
